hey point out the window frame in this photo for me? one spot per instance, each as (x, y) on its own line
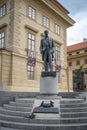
(2, 44)
(57, 29)
(57, 59)
(85, 61)
(32, 14)
(3, 11)
(45, 21)
(57, 53)
(78, 62)
(31, 41)
(30, 72)
(70, 63)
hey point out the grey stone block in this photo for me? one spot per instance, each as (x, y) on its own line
(21, 104)
(84, 109)
(73, 114)
(74, 105)
(70, 101)
(13, 113)
(16, 108)
(49, 85)
(25, 100)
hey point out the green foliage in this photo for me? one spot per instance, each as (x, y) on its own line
(81, 68)
(32, 116)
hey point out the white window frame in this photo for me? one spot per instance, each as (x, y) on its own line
(32, 13)
(30, 72)
(46, 21)
(57, 29)
(2, 10)
(2, 40)
(31, 41)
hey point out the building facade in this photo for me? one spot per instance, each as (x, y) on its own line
(22, 23)
(77, 66)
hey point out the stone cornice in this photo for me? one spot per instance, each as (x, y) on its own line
(3, 25)
(76, 56)
(31, 28)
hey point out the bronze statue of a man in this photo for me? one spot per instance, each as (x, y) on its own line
(47, 50)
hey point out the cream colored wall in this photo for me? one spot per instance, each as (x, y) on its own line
(6, 68)
(18, 26)
(8, 21)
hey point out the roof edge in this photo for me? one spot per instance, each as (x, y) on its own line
(60, 6)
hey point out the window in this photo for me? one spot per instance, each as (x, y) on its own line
(77, 62)
(32, 13)
(31, 42)
(57, 56)
(31, 48)
(70, 63)
(57, 29)
(2, 40)
(30, 72)
(2, 10)
(46, 22)
(77, 52)
(85, 61)
(70, 54)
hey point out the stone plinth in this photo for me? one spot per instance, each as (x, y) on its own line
(49, 83)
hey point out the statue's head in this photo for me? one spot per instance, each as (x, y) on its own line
(46, 32)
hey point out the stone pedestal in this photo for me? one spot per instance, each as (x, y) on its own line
(49, 83)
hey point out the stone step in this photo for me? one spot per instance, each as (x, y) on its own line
(14, 118)
(13, 113)
(43, 121)
(73, 114)
(70, 94)
(3, 102)
(24, 100)
(70, 101)
(16, 108)
(73, 105)
(78, 109)
(33, 126)
(21, 104)
(4, 128)
(5, 97)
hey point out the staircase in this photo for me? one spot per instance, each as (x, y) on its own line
(73, 115)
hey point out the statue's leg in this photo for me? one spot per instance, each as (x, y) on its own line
(50, 62)
(45, 63)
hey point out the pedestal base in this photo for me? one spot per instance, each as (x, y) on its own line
(47, 112)
(49, 83)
